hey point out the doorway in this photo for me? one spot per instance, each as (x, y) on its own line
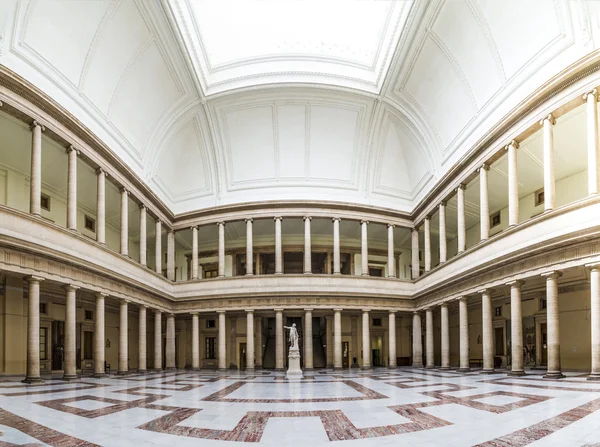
(345, 354)
(243, 356)
(499, 341)
(376, 345)
(544, 334)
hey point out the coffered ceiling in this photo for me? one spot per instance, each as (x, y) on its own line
(215, 102)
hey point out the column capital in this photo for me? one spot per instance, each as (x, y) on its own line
(592, 92)
(310, 309)
(72, 148)
(366, 310)
(549, 118)
(249, 311)
(33, 278)
(100, 171)
(415, 229)
(100, 295)
(333, 219)
(70, 287)
(484, 167)
(463, 298)
(444, 304)
(461, 186)
(516, 283)
(194, 227)
(277, 218)
(124, 301)
(392, 311)
(221, 223)
(143, 306)
(555, 274)
(141, 206)
(307, 218)
(593, 266)
(336, 309)
(157, 311)
(427, 218)
(278, 310)
(194, 314)
(123, 190)
(35, 123)
(512, 143)
(391, 225)
(249, 219)
(221, 312)
(442, 204)
(485, 290)
(158, 221)
(364, 222)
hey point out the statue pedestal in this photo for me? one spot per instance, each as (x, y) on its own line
(294, 371)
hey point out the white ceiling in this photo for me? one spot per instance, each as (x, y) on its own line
(216, 102)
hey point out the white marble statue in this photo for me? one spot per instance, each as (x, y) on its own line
(293, 336)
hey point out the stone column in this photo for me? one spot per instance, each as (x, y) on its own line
(142, 357)
(195, 252)
(157, 340)
(307, 246)
(516, 329)
(249, 340)
(143, 237)
(592, 142)
(415, 253)
(336, 246)
(595, 319)
(279, 342)
(417, 347)
(487, 331)
(366, 339)
(99, 357)
(101, 206)
(364, 248)
(462, 229)
(124, 223)
(308, 339)
(337, 338)
(445, 336)
(158, 247)
(391, 257)
(171, 255)
(70, 348)
(328, 263)
(427, 244)
(258, 343)
(278, 247)
(123, 338)
(221, 249)
(171, 363)
(392, 340)
(35, 187)
(329, 341)
(549, 187)
(443, 244)
(484, 209)
(222, 341)
(249, 249)
(429, 339)
(33, 331)
(195, 342)
(513, 184)
(72, 154)
(258, 264)
(552, 324)
(463, 316)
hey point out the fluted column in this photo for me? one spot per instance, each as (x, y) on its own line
(33, 331)
(429, 339)
(170, 347)
(278, 247)
(70, 348)
(364, 247)
(463, 317)
(487, 331)
(99, 353)
(592, 142)
(221, 267)
(124, 223)
(143, 236)
(415, 253)
(516, 329)
(366, 339)
(308, 339)
(337, 338)
(513, 184)
(484, 208)
(72, 154)
(445, 327)
(249, 249)
(552, 325)
(142, 335)
(336, 246)
(307, 246)
(35, 186)
(195, 252)
(158, 247)
(595, 319)
(391, 258)
(462, 229)
(101, 206)
(279, 343)
(427, 237)
(195, 342)
(157, 340)
(392, 340)
(549, 185)
(417, 346)
(443, 244)
(123, 338)
(249, 340)
(171, 255)
(222, 341)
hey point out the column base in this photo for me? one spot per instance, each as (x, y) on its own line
(171, 368)
(122, 373)
(554, 375)
(444, 368)
(142, 371)
(306, 368)
(516, 373)
(430, 367)
(594, 376)
(223, 370)
(392, 366)
(69, 378)
(249, 370)
(463, 370)
(32, 380)
(338, 368)
(99, 375)
(417, 365)
(157, 370)
(197, 368)
(487, 371)
(366, 368)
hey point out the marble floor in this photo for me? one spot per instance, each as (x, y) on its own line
(382, 407)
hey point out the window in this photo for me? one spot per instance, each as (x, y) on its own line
(45, 202)
(90, 224)
(376, 321)
(499, 311)
(495, 219)
(89, 315)
(538, 197)
(376, 271)
(542, 303)
(43, 308)
(211, 273)
(211, 324)
(43, 339)
(88, 345)
(211, 348)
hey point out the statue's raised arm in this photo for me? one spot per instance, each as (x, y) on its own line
(293, 336)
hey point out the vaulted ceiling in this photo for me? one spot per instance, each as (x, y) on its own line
(214, 102)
